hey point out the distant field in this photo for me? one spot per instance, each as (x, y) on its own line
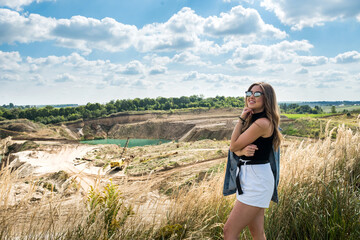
(296, 116)
(313, 125)
(341, 108)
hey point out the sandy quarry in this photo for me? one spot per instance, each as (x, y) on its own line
(54, 157)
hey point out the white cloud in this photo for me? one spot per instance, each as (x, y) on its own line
(310, 13)
(139, 84)
(247, 1)
(88, 33)
(330, 76)
(18, 4)
(181, 31)
(9, 77)
(208, 78)
(17, 28)
(241, 22)
(188, 58)
(9, 61)
(133, 68)
(273, 69)
(308, 61)
(301, 71)
(114, 80)
(65, 77)
(157, 70)
(347, 57)
(38, 80)
(73, 69)
(255, 55)
(185, 30)
(239, 63)
(193, 75)
(157, 60)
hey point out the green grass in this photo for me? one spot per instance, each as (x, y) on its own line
(313, 125)
(341, 108)
(297, 116)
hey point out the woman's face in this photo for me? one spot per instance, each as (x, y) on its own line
(256, 103)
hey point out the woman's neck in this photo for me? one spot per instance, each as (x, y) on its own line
(258, 110)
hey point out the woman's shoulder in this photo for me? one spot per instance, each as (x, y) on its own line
(265, 126)
(263, 122)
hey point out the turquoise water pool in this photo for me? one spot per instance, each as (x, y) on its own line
(122, 142)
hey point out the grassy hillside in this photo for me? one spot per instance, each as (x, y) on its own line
(316, 125)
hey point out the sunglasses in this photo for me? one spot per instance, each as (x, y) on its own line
(256, 94)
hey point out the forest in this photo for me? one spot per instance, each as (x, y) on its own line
(51, 114)
(61, 113)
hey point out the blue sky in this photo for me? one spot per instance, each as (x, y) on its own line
(61, 52)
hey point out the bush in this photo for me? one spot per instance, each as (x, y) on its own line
(108, 207)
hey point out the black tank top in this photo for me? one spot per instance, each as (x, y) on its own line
(264, 145)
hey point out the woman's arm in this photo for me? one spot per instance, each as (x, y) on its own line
(240, 140)
(247, 112)
(248, 151)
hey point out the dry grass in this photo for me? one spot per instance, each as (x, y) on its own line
(319, 199)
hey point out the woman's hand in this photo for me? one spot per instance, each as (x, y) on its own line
(247, 151)
(246, 113)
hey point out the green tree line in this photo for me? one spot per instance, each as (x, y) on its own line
(299, 109)
(50, 114)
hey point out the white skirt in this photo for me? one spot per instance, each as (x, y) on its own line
(257, 183)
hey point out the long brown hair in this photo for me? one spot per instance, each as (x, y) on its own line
(271, 109)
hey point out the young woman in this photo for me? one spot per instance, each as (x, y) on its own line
(253, 138)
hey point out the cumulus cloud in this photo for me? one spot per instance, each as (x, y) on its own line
(133, 68)
(17, 28)
(65, 77)
(347, 57)
(114, 80)
(310, 61)
(240, 21)
(193, 75)
(273, 69)
(310, 13)
(157, 70)
(184, 30)
(74, 69)
(9, 77)
(283, 52)
(301, 71)
(139, 84)
(18, 4)
(38, 80)
(239, 63)
(87, 33)
(157, 60)
(330, 76)
(9, 61)
(208, 78)
(188, 58)
(181, 31)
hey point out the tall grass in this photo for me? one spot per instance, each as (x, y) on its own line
(320, 190)
(319, 195)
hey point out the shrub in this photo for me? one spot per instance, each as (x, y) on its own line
(108, 207)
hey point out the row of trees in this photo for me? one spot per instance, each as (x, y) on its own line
(50, 114)
(300, 109)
